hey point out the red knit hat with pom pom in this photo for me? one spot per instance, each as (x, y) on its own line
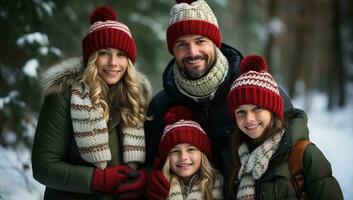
(255, 86)
(195, 18)
(106, 32)
(180, 128)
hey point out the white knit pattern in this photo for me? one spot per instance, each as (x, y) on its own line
(109, 24)
(90, 129)
(260, 79)
(182, 123)
(194, 193)
(206, 85)
(254, 165)
(197, 10)
(134, 144)
(91, 132)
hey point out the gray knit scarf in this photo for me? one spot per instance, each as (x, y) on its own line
(91, 131)
(206, 85)
(255, 164)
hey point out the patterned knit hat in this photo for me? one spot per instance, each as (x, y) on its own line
(192, 17)
(180, 128)
(255, 86)
(105, 31)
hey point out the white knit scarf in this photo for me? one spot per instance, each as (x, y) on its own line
(91, 131)
(206, 85)
(255, 164)
(175, 192)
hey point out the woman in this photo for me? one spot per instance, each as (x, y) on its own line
(89, 139)
(185, 151)
(261, 145)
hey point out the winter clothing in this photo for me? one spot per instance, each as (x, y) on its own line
(192, 191)
(210, 113)
(208, 84)
(277, 183)
(157, 186)
(107, 179)
(106, 32)
(192, 17)
(91, 131)
(182, 129)
(56, 158)
(255, 86)
(254, 164)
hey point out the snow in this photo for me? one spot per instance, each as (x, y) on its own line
(30, 68)
(329, 130)
(7, 99)
(40, 38)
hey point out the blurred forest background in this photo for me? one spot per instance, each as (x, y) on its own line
(308, 43)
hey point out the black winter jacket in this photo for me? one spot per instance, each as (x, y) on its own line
(211, 115)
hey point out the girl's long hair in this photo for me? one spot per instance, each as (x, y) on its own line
(125, 97)
(237, 139)
(205, 181)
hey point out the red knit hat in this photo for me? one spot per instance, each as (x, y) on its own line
(255, 86)
(106, 32)
(192, 17)
(180, 128)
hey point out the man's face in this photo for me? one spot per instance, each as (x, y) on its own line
(194, 55)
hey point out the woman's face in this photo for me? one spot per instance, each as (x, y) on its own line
(112, 64)
(252, 120)
(185, 160)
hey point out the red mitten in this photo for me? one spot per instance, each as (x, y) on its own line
(107, 180)
(157, 186)
(134, 188)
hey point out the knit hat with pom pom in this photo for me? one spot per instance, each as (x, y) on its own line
(195, 18)
(106, 32)
(255, 86)
(180, 128)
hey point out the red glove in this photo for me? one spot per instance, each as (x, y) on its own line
(107, 180)
(134, 188)
(157, 186)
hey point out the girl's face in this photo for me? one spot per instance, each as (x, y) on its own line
(112, 64)
(252, 120)
(185, 160)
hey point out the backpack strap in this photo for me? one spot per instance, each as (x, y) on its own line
(296, 168)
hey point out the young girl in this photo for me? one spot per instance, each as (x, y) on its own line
(185, 151)
(261, 144)
(89, 138)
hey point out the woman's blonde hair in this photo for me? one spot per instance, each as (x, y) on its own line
(205, 181)
(125, 97)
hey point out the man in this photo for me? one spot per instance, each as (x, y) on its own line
(199, 77)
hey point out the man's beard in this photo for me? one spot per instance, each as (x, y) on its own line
(194, 74)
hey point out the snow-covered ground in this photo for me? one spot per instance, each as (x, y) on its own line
(331, 131)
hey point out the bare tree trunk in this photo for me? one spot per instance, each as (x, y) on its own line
(337, 94)
(270, 40)
(296, 63)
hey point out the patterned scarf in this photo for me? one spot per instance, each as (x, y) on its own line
(206, 85)
(91, 132)
(194, 192)
(255, 164)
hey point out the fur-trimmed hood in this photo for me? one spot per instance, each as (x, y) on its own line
(63, 74)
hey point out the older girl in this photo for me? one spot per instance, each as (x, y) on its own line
(262, 143)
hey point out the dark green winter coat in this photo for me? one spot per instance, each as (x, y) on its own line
(56, 162)
(277, 182)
